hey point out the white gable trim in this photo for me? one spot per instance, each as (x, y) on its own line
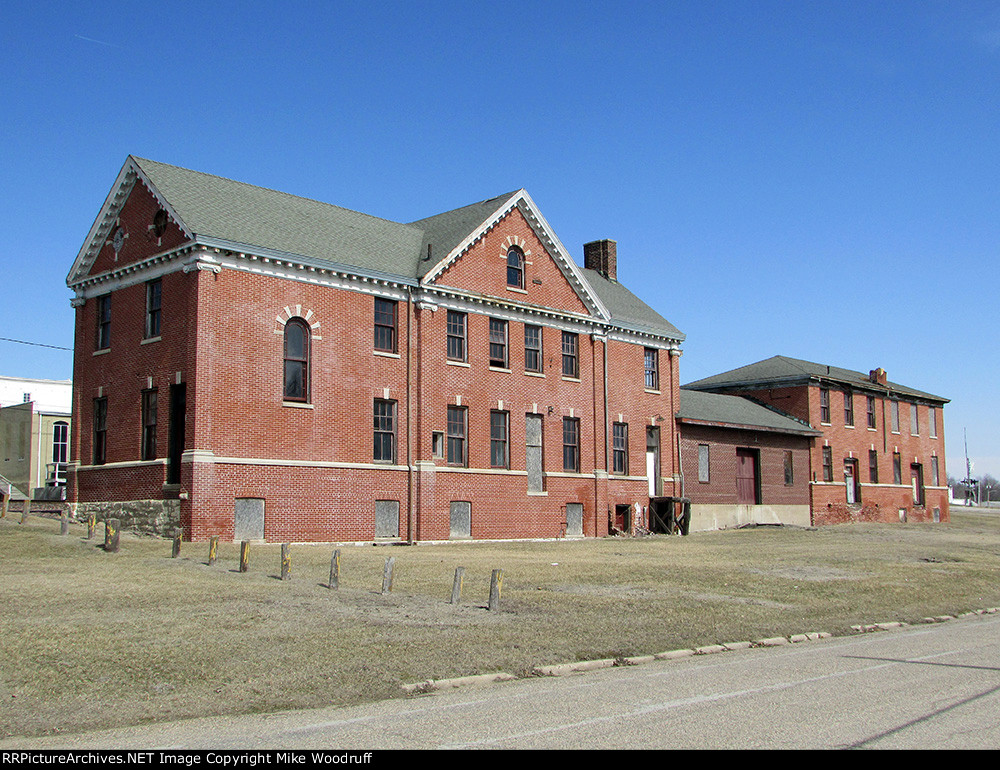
(109, 214)
(523, 202)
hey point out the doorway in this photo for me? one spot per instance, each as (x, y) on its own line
(747, 477)
(653, 462)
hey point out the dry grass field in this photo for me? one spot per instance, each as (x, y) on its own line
(90, 639)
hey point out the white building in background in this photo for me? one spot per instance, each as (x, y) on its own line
(34, 435)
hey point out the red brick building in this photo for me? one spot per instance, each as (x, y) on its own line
(742, 463)
(881, 455)
(250, 364)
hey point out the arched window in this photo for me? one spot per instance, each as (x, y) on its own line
(60, 441)
(296, 382)
(515, 267)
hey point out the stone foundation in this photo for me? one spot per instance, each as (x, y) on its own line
(143, 517)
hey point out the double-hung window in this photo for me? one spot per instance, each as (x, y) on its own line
(873, 466)
(384, 450)
(914, 421)
(570, 355)
(848, 408)
(100, 431)
(619, 448)
(296, 376)
(827, 464)
(533, 349)
(571, 444)
(871, 411)
(652, 367)
(457, 424)
(149, 424)
(824, 405)
(385, 325)
(103, 322)
(499, 454)
(498, 343)
(154, 301)
(456, 335)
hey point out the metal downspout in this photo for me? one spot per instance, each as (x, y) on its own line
(411, 489)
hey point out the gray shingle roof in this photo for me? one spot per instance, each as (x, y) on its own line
(781, 370)
(627, 309)
(239, 213)
(735, 411)
(235, 214)
(443, 232)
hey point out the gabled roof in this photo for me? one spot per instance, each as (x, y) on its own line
(445, 232)
(221, 213)
(781, 371)
(724, 411)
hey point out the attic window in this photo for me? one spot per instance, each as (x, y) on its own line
(515, 267)
(159, 226)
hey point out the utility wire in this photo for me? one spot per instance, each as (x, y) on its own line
(36, 344)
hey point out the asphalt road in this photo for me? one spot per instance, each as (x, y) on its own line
(922, 687)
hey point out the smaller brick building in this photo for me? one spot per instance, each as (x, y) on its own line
(881, 454)
(742, 462)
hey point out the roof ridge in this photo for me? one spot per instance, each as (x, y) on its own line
(282, 193)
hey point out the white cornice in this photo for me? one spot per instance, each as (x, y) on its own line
(523, 202)
(109, 213)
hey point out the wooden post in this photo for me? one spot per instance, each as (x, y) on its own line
(387, 574)
(26, 511)
(213, 550)
(244, 556)
(111, 533)
(4, 505)
(456, 587)
(334, 571)
(175, 551)
(91, 526)
(496, 585)
(64, 523)
(286, 562)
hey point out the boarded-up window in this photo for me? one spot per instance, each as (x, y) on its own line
(533, 452)
(461, 519)
(894, 414)
(574, 519)
(789, 470)
(249, 519)
(703, 458)
(387, 518)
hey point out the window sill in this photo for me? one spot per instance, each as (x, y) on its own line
(538, 494)
(873, 430)
(849, 426)
(654, 392)
(534, 374)
(571, 379)
(459, 363)
(499, 369)
(297, 405)
(386, 354)
(102, 351)
(516, 290)
(149, 340)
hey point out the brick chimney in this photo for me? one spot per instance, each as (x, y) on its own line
(877, 376)
(602, 256)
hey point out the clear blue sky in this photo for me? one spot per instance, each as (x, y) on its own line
(811, 179)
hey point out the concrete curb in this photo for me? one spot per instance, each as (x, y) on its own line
(432, 685)
(582, 666)
(563, 669)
